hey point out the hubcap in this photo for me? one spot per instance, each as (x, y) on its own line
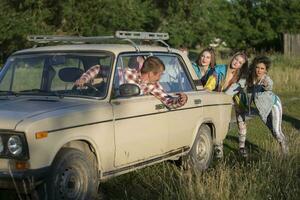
(70, 183)
(202, 150)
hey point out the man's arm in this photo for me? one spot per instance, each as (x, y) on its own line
(88, 75)
(168, 100)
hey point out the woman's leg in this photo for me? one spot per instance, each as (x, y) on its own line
(242, 130)
(274, 124)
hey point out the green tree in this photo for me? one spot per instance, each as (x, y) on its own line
(106, 16)
(19, 19)
(259, 24)
(187, 22)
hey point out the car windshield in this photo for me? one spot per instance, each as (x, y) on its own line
(54, 74)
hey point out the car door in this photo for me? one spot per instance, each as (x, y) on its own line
(182, 122)
(141, 129)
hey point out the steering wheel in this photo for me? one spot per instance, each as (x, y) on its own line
(88, 85)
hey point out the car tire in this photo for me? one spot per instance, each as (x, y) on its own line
(73, 176)
(201, 153)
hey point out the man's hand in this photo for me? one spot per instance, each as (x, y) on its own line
(182, 98)
(79, 82)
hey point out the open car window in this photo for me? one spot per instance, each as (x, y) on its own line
(174, 78)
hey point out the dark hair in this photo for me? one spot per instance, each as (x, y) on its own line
(152, 64)
(213, 57)
(261, 59)
(257, 60)
(243, 72)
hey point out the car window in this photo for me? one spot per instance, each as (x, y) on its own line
(17, 75)
(126, 63)
(174, 78)
(58, 82)
(55, 73)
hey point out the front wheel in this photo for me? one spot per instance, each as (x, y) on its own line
(73, 176)
(201, 153)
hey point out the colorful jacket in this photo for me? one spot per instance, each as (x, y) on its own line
(216, 81)
(204, 78)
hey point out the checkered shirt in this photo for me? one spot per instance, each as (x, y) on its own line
(133, 76)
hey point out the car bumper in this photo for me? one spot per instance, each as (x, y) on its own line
(23, 180)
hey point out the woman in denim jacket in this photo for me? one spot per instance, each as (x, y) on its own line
(268, 104)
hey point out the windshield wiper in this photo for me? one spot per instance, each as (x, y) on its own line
(34, 90)
(6, 92)
(42, 92)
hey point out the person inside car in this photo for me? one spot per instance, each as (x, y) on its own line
(147, 78)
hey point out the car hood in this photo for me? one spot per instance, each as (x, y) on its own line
(14, 110)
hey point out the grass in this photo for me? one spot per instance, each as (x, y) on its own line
(266, 174)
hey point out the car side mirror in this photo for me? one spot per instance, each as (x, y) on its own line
(129, 90)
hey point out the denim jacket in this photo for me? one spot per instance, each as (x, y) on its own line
(263, 97)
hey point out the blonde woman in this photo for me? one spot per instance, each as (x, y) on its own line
(230, 79)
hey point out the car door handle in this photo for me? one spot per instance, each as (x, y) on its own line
(197, 101)
(159, 106)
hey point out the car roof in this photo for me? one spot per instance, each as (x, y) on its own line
(113, 48)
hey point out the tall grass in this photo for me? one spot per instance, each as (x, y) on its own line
(285, 72)
(265, 174)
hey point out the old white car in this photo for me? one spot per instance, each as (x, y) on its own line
(65, 140)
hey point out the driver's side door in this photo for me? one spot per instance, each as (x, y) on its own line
(141, 132)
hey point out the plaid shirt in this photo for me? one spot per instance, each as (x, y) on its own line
(134, 76)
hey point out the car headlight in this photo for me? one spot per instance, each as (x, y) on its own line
(14, 145)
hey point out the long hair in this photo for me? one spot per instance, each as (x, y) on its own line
(243, 72)
(252, 68)
(213, 57)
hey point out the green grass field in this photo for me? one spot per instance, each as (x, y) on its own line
(265, 174)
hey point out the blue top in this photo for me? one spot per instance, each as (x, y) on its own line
(204, 78)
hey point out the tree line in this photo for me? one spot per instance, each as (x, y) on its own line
(257, 25)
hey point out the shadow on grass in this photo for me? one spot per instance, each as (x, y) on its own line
(295, 122)
(250, 146)
(231, 152)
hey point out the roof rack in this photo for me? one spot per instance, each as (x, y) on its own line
(66, 39)
(142, 35)
(124, 35)
(129, 35)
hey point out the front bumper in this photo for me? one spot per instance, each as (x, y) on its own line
(25, 180)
